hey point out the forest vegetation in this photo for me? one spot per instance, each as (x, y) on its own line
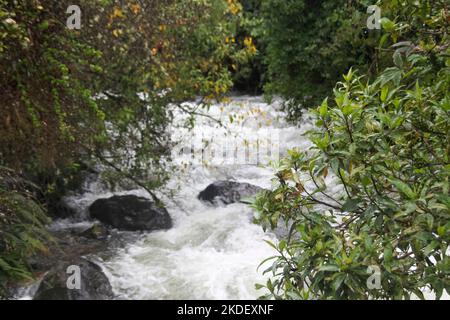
(107, 93)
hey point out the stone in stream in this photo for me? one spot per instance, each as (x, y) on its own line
(93, 283)
(97, 231)
(227, 192)
(131, 213)
(61, 209)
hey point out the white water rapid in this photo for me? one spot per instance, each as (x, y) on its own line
(211, 252)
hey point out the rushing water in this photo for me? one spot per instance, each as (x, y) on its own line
(211, 252)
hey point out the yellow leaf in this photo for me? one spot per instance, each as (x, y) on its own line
(117, 32)
(234, 6)
(248, 42)
(325, 172)
(135, 8)
(117, 13)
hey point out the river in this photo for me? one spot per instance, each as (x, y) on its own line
(211, 252)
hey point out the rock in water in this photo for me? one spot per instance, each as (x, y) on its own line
(94, 285)
(227, 192)
(131, 213)
(97, 231)
(61, 210)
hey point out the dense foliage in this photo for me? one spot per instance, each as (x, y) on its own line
(370, 194)
(65, 91)
(22, 232)
(385, 144)
(101, 93)
(309, 44)
(249, 75)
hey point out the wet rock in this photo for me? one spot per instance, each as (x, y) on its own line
(94, 285)
(97, 231)
(227, 192)
(69, 245)
(61, 210)
(131, 213)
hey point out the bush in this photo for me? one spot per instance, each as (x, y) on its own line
(309, 44)
(373, 190)
(72, 95)
(102, 94)
(22, 228)
(249, 75)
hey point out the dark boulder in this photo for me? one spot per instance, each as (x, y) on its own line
(227, 192)
(94, 285)
(131, 213)
(61, 210)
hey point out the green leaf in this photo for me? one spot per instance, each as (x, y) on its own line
(294, 295)
(351, 204)
(429, 248)
(259, 286)
(430, 221)
(323, 108)
(398, 61)
(445, 199)
(43, 25)
(441, 231)
(329, 267)
(282, 245)
(418, 293)
(270, 243)
(338, 281)
(384, 93)
(383, 40)
(393, 74)
(388, 253)
(404, 189)
(387, 24)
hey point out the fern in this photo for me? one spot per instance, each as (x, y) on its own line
(22, 229)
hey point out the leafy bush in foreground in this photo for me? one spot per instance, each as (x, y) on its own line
(387, 144)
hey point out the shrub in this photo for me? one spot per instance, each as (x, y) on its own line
(309, 44)
(72, 95)
(101, 94)
(385, 144)
(22, 228)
